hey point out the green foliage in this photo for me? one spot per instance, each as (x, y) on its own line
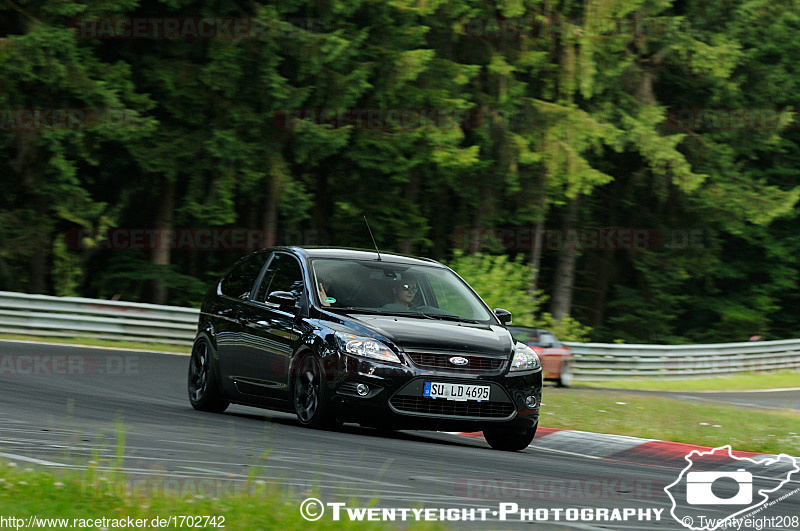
(501, 283)
(194, 133)
(504, 283)
(62, 497)
(566, 329)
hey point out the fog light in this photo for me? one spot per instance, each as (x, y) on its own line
(530, 401)
(362, 389)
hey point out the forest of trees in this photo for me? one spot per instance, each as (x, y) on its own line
(652, 144)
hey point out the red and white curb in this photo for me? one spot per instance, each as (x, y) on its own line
(611, 447)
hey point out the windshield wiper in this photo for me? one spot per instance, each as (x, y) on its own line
(448, 317)
(371, 311)
(350, 309)
(400, 313)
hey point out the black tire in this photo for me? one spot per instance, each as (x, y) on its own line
(509, 437)
(310, 395)
(205, 391)
(566, 376)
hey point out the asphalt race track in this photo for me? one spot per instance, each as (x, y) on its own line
(63, 406)
(775, 399)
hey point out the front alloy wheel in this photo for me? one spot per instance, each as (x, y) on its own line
(311, 394)
(204, 390)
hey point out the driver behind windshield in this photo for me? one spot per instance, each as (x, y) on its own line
(324, 287)
(403, 296)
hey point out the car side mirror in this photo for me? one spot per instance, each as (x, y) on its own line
(546, 345)
(283, 299)
(503, 315)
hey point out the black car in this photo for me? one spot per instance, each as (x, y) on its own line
(340, 335)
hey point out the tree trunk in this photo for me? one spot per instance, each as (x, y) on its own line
(606, 267)
(565, 269)
(160, 256)
(603, 279)
(269, 220)
(25, 165)
(323, 208)
(40, 244)
(536, 249)
(38, 265)
(411, 193)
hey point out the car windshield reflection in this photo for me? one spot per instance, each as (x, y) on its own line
(387, 288)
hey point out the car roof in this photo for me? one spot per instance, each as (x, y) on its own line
(345, 253)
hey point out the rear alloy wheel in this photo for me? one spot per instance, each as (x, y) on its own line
(565, 379)
(509, 437)
(311, 395)
(205, 393)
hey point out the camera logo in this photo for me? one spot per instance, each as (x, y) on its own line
(719, 490)
(699, 488)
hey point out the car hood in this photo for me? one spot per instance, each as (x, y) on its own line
(415, 334)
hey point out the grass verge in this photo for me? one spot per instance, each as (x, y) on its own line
(93, 495)
(734, 382)
(667, 419)
(93, 342)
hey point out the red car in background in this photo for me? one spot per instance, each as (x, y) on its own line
(557, 359)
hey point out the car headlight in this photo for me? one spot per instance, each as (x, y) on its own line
(525, 359)
(366, 347)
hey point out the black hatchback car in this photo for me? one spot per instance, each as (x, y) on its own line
(340, 335)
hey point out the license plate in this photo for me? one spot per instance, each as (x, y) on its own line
(455, 391)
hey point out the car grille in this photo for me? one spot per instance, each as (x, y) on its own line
(442, 361)
(452, 408)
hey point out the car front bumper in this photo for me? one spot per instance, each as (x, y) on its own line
(394, 396)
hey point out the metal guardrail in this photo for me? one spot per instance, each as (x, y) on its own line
(79, 317)
(601, 361)
(43, 315)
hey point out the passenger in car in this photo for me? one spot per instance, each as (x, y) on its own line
(403, 296)
(324, 286)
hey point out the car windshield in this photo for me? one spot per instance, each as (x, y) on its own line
(395, 289)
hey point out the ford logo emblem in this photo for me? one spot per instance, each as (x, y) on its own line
(458, 360)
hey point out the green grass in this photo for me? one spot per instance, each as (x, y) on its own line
(666, 419)
(94, 494)
(734, 382)
(93, 342)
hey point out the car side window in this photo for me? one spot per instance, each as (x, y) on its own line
(284, 274)
(240, 280)
(549, 339)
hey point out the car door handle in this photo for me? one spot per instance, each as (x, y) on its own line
(242, 317)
